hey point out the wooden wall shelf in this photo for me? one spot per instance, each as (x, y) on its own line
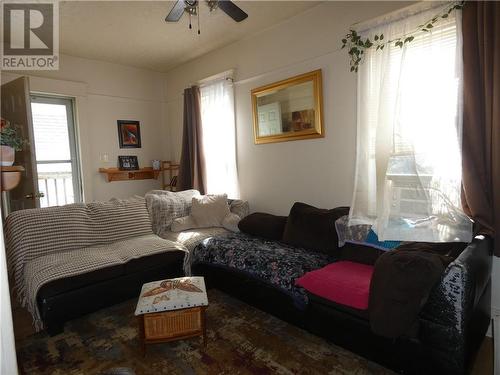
(11, 176)
(115, 174)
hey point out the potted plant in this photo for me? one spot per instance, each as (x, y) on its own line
(10, 142)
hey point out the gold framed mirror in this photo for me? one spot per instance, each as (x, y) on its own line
(289, 110)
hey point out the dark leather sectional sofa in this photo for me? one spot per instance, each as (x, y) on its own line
(65, 299)
(79, 258)
(452, 324)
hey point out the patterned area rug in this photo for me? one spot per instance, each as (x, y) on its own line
(241, 340)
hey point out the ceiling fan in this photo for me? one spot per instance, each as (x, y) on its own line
(191, 8)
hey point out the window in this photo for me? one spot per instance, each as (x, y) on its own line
(408, 174)
(56, 150)
(219, 137)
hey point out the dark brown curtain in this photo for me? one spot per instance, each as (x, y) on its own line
(192, 164)
(481, 126)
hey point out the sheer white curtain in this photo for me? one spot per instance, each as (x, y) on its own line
(408, 169)
(219, 137)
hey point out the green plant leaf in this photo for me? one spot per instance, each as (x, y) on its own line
(444, 15)
(376, 37)
(381, 36)
(430, 26)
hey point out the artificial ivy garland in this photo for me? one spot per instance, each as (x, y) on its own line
(356, 45)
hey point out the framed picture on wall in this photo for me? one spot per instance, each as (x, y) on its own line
(128, 163)
(129, 134)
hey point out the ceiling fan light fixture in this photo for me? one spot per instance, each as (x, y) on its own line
(191, 8)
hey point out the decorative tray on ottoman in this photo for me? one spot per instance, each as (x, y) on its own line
(172, 309)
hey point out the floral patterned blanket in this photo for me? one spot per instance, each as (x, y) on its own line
(273, 262)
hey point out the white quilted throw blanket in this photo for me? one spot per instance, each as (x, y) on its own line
(76, 262)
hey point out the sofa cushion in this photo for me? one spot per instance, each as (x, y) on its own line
(359, 253)
(346, 283)
(40, 232)
(274, 263)
(192, 237)
(141, 264)
(329, 304)
(183, 223)
(62, 265)
(313, 228)
(263, 225)
(66, 284)
(153, 261)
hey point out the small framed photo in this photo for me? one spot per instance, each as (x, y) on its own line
(129, 134)
(128, 163)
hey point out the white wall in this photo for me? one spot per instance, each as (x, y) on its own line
(106, 93)
(318, 171)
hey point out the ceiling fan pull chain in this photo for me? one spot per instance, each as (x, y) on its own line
(190, 27)
(198, 20)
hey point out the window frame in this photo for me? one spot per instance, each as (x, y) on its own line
(74, 144)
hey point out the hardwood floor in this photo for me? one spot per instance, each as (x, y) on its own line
(483, 364)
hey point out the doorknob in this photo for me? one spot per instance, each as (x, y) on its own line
(34, 196)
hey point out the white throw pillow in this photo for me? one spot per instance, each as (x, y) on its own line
(183, 223)
(209, 210)
(230, 222)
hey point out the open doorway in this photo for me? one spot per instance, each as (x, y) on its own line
(56, 150)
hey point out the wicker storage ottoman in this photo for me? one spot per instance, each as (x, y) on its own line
(172, 309)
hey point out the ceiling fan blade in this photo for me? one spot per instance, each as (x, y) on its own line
(232, 10)
(176, 12)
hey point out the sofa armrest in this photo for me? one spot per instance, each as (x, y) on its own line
(462, 284)
(447, 319)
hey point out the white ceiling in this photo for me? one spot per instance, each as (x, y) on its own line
(135, 33)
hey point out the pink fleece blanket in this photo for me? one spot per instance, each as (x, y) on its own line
(346, 283)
